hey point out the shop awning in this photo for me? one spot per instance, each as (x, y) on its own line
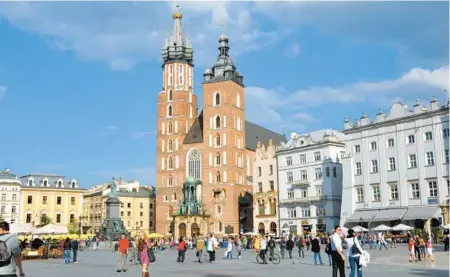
(376, 215)
(362, 216)
(421, 212)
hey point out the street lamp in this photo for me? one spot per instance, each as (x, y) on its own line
(79, 226)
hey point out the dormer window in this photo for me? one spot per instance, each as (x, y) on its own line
(30, 183)
(45, 183)
(73, 184)
(59, 184)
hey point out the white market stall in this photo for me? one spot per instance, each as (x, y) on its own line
(402, 227)
(52, 229)
(382, 228)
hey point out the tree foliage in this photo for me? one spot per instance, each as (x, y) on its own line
(73, 227)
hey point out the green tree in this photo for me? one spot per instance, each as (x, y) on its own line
(73, 227)
(45, 221)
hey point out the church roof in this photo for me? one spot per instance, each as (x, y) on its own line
(195, 134)
(255, 133)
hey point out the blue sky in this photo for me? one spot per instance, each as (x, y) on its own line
(79, 81)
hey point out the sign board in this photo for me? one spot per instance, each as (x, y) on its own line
(229, 229)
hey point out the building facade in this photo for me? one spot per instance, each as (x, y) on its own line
(210, 146)
(50, 196)
(310, 182)
(396, 167)
(265, 189)
(137, 206)
(10, 197)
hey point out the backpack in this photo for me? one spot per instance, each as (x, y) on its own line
(354, 250)
(5, 254)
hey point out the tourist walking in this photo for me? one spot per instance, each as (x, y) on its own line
(239, 247)
(67, 246)
(383, 242)
(263, 249)
(429, 250)
(182, 246)
(9, 267)
(143, 247)
(328, 250)
(200, 246)
(75, 245)
(301, 247)
(122, 253)
(289, 246)
(411, 249)
(315, 248)
(417, 249)
(271, 245)
(446, 242)
(282, 247)
(337, 254)
(354, 252)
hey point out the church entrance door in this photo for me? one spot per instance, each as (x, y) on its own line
(195, 230)
(182, 230)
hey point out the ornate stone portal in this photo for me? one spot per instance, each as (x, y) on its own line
(190, 220)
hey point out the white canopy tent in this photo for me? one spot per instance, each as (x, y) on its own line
(52, 229)
(22, 229)
(359, 229)
(382, 228)
(402, 227)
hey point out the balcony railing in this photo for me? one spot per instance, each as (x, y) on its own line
(303, 199)
(300, 183)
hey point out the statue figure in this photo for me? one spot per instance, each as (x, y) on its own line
(117, 226)
(113, 189)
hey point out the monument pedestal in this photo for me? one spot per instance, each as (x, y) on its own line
(112, 226)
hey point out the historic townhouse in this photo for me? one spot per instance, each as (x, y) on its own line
(215, 146)
(396, 167)
(265, 189)
(310, 182)
(10, 197)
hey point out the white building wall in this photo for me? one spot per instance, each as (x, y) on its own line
(397, 125)
(328, 144)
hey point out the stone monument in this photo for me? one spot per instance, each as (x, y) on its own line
(112, 226)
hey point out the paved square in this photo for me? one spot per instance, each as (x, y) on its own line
(393, 262)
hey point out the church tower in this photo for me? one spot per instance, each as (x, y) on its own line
(177, 110)
(224, 138)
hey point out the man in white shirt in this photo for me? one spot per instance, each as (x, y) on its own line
(263, 249)
(337, 253)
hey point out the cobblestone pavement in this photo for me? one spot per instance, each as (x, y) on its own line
(393, 262)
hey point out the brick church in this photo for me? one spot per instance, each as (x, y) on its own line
(213, 148)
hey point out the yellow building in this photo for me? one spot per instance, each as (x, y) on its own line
(50, 196)
(137, 206)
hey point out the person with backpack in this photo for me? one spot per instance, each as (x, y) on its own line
(182, 246)
(10, 260)
(301, 247)
(354, 252)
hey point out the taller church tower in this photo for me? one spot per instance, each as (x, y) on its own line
(177, 110)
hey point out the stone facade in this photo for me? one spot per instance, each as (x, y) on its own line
(10, 196)
(265, 189)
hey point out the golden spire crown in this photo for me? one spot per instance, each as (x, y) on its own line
(177, 14)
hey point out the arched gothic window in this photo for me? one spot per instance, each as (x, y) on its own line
(217, 99)
(194, 164)
(220, 226)
(170, 181)
(170, 163)
(219, 209)
(169, 111)
(170, 145)
(217, 158)
(169, 128)
(238, 100)
(218, 177)
(217, 140)
(170, 95)
(218, 122)
(170, 211)
(174, 196)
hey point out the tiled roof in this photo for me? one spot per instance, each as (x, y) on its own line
(195, 134)
(7, 175)
(255, 133)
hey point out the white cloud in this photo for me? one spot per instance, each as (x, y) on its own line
(143, 134)
(110, 130)
(299, 108)
(3, 90)
(124, 34)
(293, 50)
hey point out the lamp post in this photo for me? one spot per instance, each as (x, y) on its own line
(79, 225)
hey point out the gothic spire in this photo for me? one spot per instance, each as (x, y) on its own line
(176, 48)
